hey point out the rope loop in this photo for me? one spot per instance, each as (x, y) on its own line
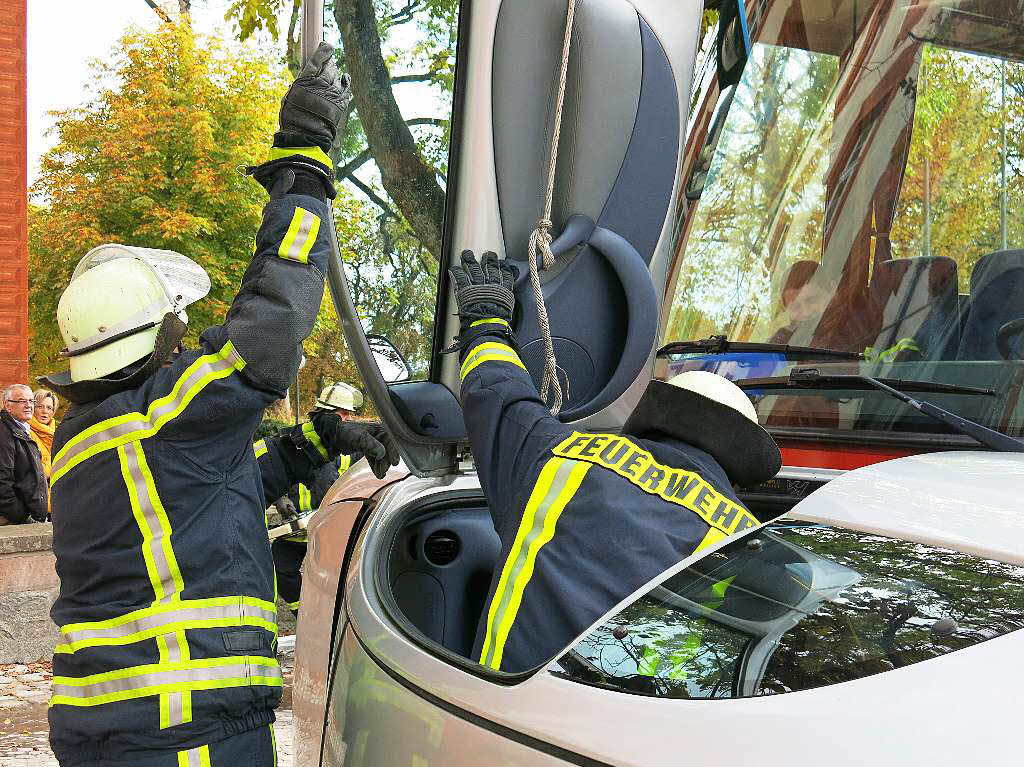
(540, 238)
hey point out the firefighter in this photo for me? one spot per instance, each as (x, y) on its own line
(587, 518)
(166, 604)
(334, 407)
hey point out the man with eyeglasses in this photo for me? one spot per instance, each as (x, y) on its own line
(22, 481)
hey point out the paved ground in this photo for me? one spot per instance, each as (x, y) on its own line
(25, 689)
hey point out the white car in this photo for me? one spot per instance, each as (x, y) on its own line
(790, 217)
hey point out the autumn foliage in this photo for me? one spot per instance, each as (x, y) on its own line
(151, 159)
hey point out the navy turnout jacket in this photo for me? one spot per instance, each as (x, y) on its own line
(585, 519)
(167, 598)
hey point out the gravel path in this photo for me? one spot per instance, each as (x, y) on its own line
(25, 690)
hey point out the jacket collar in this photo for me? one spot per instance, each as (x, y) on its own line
(15, 426)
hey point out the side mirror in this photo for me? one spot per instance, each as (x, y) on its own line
(393, 366)
(733, 43)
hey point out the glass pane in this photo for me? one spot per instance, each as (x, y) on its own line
(861, 189)
(393, 162)
(797, 606)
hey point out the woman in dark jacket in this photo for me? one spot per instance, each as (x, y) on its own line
(23, 487)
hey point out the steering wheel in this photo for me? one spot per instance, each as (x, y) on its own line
(1005, 333)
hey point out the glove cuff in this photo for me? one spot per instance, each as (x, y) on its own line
(284, 139)
(309, 174)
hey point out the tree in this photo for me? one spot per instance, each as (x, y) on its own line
(152, 160)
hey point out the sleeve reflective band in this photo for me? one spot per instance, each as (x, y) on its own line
(557, 484)
(345, 464)
(488, 321)
(195, 757)
(314, 153)
(298, 240)
(314, 439)
(260, 448)
(293, 605)
(490, 352)
(305, 498)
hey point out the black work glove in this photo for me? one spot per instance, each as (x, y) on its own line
(315, 104)
(483, 290)
(342, 437)
(311, 111)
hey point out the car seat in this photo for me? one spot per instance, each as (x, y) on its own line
(916, 299)
(997, 297)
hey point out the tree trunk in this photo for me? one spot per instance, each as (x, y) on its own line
(293, 46)
(184, 7)
(410, 182)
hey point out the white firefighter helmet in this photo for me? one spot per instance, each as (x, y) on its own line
(340, 396)
(110, 314)
(717, 388)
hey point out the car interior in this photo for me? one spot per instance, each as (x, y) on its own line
(440, 561)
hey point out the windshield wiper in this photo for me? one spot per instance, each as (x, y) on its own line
(722, 345)
(810, 378)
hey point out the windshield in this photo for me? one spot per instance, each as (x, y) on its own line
(862, 188)
(797, 606)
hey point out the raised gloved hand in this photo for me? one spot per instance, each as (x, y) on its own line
(342, 437)
(315, 104)
(311, 113)
(484, 290)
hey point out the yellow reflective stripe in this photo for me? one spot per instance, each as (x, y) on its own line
(166, 679)
(305, 498)
(488, 321)
(260, 448)
(314, 153)
(344, 464)
(194, 757)
(314, 438)
(678, 486)
(298, 240)
(489, 352)
(113, 432)
(558, 482)
(273, 742)
(183, 604)
(294, 605)
(158, 631)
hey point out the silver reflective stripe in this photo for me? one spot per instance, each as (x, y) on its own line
(175, 703)
(295, 251)
(182, 615)
(156, 549)
(214, 364)
(156, 678)
(191, 758)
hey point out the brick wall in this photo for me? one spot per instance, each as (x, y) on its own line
(13, 194)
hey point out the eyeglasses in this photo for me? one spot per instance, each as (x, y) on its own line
(31, 402)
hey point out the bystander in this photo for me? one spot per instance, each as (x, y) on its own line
(43, 425)
(23, 486)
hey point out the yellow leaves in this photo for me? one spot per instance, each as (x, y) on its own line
(150, 159)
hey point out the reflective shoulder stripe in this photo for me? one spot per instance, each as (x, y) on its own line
(490, 351)
(557, 484)
(298, 240)
(168, 617)
(113, 432)
(310, 433)
(260, 448)
(165, 678)
(678, 486)
(195, 757)
(489, 321)
(305, 498)
(314, 153)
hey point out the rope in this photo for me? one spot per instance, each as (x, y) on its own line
(540, 238)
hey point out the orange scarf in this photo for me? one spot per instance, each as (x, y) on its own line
(43, 435)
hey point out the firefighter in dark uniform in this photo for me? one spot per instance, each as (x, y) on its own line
(333, 408)
(585, 519)
(167, 599)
